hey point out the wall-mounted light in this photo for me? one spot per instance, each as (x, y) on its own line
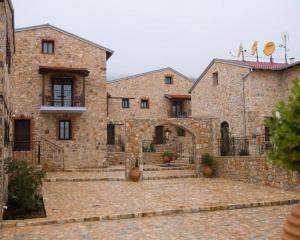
(167, 134)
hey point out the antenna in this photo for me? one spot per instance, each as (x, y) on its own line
(254, 49)
(285, 37)
(269, 49)
(241, 51)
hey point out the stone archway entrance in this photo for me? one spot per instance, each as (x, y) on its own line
(200, 137)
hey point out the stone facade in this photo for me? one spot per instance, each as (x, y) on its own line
(87, 147)
(7, 49)
(149, 86)
(243, 97)
(257, 170)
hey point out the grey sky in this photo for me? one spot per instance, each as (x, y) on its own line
(185, 35)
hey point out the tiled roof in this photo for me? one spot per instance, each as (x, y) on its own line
(178, 96)
(256, 65)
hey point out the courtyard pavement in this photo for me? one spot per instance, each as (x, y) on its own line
(257, 223)
(79, 206)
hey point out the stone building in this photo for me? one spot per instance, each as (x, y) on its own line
(7, 49)
(241, 94)
(159, 94)
(60, 102)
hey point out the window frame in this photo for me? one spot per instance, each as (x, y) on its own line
(170, 78)
(215, 77)
(70, 130)
(48, 41)
(125, 100)
(147, 105)
(181, 132)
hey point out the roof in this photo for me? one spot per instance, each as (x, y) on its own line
(109, 52)
(254, 65)
(49, 69)
(178, 96)
(150, 72)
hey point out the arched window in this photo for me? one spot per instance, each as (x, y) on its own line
(225, 139)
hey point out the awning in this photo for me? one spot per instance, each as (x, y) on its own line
(178, 96)
(80, 71)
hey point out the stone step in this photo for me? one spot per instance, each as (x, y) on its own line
(156, 212)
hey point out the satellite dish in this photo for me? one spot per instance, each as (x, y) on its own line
(240, 50)
(269, 48)
(254, 48)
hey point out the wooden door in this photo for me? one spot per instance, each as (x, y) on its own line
(22, 135)
(159, 135)
(111, 134)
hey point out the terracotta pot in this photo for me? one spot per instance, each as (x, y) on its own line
(135, 174)
(291, 228)
(167, 159)
(207, 171)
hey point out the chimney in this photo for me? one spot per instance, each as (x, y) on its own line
(292, 60)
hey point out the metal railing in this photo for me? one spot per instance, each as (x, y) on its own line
(234, 146)
(118, 146)
(38, 152)
(77, 101)
(172, 114)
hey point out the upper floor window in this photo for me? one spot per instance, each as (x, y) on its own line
(215, 78)
(125, 103)
(65, 130)
(48, 46)
(168, 80)
(144, 103)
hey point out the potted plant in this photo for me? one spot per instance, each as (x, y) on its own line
(167, 156)
(135, 172)
(208, 164)
(284, 128)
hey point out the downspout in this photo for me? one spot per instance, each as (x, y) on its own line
(244, 101)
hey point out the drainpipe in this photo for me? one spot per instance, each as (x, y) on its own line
(244, 101)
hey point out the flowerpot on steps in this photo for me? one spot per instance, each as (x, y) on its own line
(135, 174)
(291, 228)
(207, 171)
(167, 159)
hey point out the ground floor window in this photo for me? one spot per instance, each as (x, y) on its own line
(65, 130)
(180, 132)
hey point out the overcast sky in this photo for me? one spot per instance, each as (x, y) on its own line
(183, 34)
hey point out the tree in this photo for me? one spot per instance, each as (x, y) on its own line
(285, 131)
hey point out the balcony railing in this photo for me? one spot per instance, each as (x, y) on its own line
(77, 101)
(172, 114)
(234, 146)
(75, 105)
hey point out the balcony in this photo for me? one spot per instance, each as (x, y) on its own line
(174, 114)
(63, 89)
(75, 105)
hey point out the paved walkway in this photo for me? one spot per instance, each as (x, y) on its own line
(257, 223)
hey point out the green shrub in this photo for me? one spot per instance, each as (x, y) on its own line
(208, 160)
(285, 131)
(24, 185)
(167, 154)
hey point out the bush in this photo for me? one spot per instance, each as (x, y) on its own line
(285, 131)
(208, 160)
(167, 154)
(24, 185)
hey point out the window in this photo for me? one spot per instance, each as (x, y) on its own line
(144, 103)
(62, 92)
(65, 130)
(111, 134)
(48, 46)
(215, 78)
(168, 80)
(180, 132)
(125, 102)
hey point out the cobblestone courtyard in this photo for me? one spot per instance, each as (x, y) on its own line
(258, 223)
(77, 202)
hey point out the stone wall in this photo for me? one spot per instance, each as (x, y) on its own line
(149, 86)
(152, 158)
(263, 89)
(88, 145)
(6, 60)
(256, 170)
